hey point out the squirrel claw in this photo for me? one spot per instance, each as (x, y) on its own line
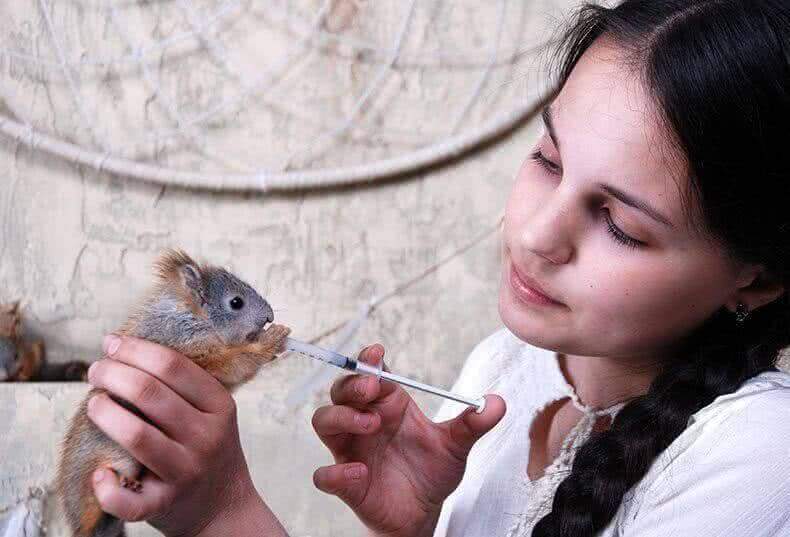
(131, 484)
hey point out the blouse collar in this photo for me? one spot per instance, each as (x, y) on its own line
(567, 389)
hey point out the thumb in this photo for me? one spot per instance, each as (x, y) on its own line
(349, 481)
(469, 426)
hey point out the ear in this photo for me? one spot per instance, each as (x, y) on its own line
(176, 266)
(192, 279)
(757, 288)
(11, 308)
(10, 320)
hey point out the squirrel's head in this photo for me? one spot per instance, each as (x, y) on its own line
(235, 310)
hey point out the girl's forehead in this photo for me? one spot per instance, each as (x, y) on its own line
(610, 130)
(605, 100)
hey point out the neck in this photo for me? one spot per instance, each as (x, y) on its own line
(602, 382)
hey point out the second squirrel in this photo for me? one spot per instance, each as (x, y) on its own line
(201, 311)
(23, 361)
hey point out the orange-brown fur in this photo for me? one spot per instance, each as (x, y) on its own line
(29, 356)
(85, 447)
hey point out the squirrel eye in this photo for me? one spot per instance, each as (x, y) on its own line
(236, 303)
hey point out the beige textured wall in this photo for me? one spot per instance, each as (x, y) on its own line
(77, 250)
(76, 245)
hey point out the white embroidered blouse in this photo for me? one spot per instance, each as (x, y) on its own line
(726, 475)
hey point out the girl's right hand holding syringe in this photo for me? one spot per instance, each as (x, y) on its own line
(394, 466)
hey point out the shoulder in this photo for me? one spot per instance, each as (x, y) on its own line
(728, 472)
(764, 396)
(750, 426)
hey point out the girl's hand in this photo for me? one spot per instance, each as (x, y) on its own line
(394, 466)
(198, 478)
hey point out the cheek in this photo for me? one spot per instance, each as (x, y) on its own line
(649, 299)
(525, 196)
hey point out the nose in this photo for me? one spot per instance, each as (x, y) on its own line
(268, 313)
(548, 232)
(266, 317)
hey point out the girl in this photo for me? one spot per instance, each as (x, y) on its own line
(646, 250)
(646, 254)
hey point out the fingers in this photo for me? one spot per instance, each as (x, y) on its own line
(153, 498)
(356, 390)
(360, 390)
(178, 372)
(349, 482)
(335, 425)
(171, 413)
(165, 457)
(466, 429)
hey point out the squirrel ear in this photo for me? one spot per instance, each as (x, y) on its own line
(193, 280)
(175, 264)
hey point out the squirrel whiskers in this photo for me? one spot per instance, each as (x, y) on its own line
(201, 311)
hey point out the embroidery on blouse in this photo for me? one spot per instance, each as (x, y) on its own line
(540, 492)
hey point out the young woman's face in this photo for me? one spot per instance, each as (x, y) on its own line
(628, 283)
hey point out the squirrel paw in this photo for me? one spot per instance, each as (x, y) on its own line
(277, 331)
(131, 484)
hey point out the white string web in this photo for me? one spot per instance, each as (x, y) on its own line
(282, 94)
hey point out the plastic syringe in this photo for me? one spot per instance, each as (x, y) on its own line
(349, 364)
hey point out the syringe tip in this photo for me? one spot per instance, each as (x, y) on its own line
(481, 405)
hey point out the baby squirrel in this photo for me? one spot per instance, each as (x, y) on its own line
(201, 311)
(21, 361)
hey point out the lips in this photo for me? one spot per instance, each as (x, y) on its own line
(531, 288)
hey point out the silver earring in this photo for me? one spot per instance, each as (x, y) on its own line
(741, 313)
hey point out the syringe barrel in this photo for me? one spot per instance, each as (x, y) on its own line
(344, 362)
(325, 355)
(377, 371)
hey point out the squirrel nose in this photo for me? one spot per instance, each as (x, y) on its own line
(268, 314)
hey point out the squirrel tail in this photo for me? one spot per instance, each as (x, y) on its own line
(109, 526)
(96, 523)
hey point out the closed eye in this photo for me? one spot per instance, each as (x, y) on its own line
(613, 230)
(545, 163)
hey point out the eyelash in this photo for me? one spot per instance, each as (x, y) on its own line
(613, 230)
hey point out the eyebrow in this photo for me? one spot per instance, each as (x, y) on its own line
(546, 115)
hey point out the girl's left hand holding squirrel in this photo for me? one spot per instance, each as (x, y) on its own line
(198, 483)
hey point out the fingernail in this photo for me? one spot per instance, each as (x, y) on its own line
(363, 419)
(353, 472)
(98, 475)
(111, 344)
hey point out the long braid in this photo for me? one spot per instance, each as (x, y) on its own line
(612, 461)
(719, 355)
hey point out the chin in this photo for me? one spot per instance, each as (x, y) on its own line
(525, 324)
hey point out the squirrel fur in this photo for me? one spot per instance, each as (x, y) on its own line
(202, 311)
(23, 361)
(19, 361)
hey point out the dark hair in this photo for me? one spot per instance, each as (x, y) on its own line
(718, 72)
